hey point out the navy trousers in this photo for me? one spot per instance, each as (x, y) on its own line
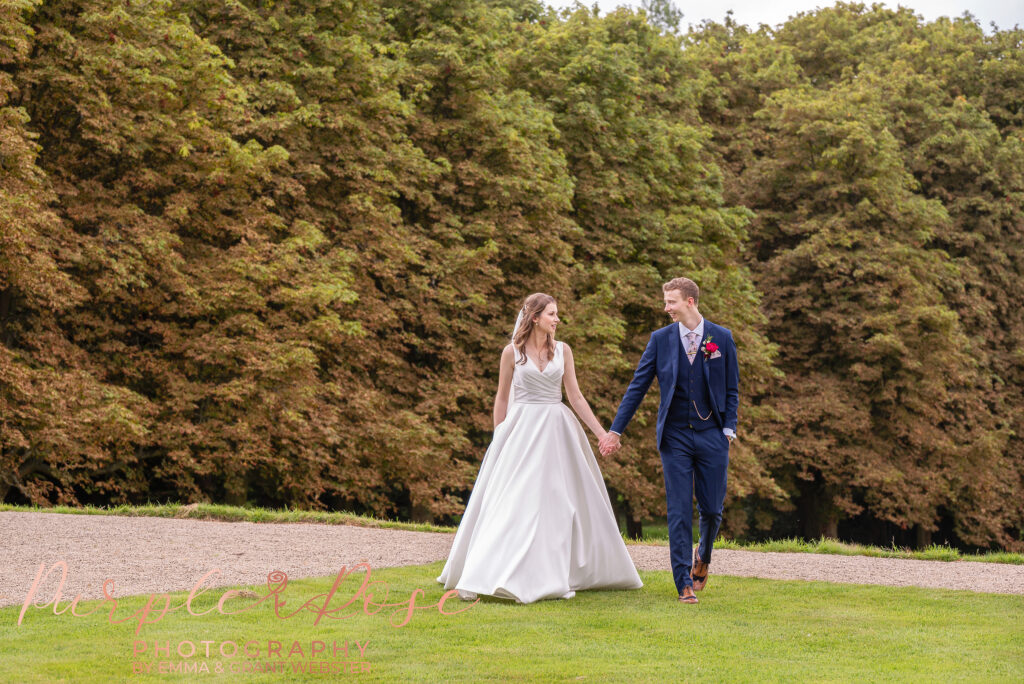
(693, 462)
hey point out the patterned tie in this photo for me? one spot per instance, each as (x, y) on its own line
(691, 353)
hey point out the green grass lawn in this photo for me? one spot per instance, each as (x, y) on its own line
(742, 630)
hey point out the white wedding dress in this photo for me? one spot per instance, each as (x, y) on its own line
(538, 523)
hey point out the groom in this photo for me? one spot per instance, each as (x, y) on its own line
(695, 362)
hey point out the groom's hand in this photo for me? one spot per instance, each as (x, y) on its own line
(609, 444)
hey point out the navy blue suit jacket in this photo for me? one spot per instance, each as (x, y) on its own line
(661, 359)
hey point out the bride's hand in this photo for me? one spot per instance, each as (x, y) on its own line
(609, 443)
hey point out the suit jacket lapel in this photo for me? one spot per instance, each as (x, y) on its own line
(707, 376)
(676, 345)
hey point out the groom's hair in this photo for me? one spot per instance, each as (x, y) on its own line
(686, 287)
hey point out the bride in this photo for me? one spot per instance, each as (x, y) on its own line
(538, 523)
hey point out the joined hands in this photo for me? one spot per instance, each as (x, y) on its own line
(609, 444)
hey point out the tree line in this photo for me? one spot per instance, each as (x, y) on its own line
(269, 252)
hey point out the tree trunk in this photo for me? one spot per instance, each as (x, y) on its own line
(235, 490)
(830, 526)
(5, 304)
(818, 515)
(924, 537)
(5, 312)
(421, 514)
(634, 528)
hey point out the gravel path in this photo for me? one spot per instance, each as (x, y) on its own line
(155, 555)
(991, 578)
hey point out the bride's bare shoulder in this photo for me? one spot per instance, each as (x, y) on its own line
(508, 358)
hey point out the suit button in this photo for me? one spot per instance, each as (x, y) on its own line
(691, 425)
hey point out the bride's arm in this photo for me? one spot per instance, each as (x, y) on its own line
(504, 385)
(575, 397)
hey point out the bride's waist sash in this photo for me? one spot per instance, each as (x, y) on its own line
(538, 400)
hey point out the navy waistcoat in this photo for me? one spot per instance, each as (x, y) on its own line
(691, 404)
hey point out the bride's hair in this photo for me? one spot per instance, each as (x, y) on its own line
(533, 306)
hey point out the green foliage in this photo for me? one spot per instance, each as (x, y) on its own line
(648, 200)
(662, 13)
(887, 245)
(61, 423)
(269, 252)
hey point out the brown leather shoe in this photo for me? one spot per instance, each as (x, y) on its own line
(699, 571)
(687, 596)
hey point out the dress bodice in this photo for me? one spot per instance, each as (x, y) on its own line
(533, 386)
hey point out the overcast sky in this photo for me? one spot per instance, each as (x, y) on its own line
(1005, 13)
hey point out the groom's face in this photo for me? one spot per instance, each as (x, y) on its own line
(676, 305)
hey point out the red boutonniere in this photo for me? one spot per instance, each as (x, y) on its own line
(709, 348)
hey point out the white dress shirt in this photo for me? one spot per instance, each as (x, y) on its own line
(683, 332)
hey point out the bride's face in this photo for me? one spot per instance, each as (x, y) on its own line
(548, 319)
